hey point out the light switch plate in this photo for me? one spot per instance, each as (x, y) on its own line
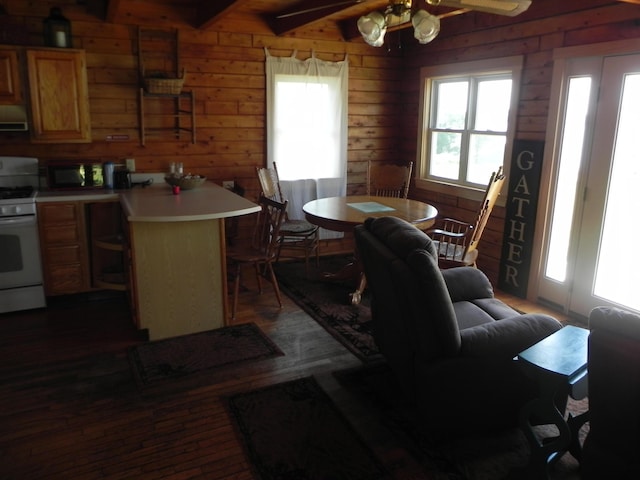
(131, 164)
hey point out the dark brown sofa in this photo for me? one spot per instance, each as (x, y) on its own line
(449, 342)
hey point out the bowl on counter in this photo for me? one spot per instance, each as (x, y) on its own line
(185, 182)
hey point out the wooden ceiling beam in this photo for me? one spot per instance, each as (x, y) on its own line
(212, 12)
(305, 13)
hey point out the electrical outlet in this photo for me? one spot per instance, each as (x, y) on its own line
(229, 184)
(131, 164)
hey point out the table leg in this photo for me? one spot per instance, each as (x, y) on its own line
(543, 411)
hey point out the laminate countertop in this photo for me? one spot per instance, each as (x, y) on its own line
(157, 203)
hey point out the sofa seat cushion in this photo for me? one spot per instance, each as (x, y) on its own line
(470, 315)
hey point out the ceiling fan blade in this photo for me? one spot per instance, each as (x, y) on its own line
(337, 3)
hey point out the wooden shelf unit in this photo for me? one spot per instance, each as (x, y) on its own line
(181, 115)
(163, 113)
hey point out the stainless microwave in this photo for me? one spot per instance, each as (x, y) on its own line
(75, 175)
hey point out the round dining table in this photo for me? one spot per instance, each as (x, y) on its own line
(342, 214)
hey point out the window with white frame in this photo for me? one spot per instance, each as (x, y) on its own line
(467, 124)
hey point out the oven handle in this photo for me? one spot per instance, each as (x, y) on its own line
(18, 221)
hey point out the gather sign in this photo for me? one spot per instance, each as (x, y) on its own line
(520, 216)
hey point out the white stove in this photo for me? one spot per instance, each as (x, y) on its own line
(21, 285)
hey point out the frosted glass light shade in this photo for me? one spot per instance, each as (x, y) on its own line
(373, 27)
(425, 26)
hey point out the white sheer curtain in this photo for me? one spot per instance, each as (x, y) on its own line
(307, 128)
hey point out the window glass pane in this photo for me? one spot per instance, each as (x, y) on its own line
(451, 108)
(486, 154)
(492, 108)
(569, 166)
(445, 155)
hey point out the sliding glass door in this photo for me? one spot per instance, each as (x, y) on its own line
(588, 256)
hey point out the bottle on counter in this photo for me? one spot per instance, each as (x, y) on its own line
(108, 174)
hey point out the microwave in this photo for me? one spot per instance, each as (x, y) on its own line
(75, 175)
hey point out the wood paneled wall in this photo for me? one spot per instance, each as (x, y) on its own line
(225, 69)
(547, 25)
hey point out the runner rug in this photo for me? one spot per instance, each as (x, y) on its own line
(328, 303)
(293, 430)
(205, 351)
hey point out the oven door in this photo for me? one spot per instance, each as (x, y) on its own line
(19, 252)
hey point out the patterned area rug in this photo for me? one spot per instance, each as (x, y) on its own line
(328, 302)
(293, 430)
(491, 456)
(181, 356)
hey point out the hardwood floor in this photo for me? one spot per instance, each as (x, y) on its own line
(69, 407)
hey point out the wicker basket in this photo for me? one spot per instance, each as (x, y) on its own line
(169, 86)
(186, 183)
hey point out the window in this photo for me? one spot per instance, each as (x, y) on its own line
(307, 129)
(467, 124)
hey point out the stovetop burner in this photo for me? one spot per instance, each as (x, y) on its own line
(8, 193)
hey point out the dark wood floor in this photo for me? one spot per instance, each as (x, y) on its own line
(69, 407)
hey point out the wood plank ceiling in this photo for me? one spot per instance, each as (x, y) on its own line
(281, 17)
(295, 18)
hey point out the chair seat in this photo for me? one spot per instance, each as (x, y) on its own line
(448, 252)
(297, 227)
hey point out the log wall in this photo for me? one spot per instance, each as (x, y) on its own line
(547, 25)
(225, 70)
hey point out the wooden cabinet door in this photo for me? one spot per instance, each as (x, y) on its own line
(63, 242)
(59, 96)
(10, 88)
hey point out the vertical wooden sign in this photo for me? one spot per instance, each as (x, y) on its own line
(520, 219)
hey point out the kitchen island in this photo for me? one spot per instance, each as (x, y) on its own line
(177, 248)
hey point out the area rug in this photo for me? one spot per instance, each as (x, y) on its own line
(499, 455)
(187, 354)
(328, 302)
(293, 430)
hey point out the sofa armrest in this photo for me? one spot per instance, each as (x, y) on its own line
(506, 338)
(467, 283)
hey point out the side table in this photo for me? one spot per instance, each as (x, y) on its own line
(558, 363)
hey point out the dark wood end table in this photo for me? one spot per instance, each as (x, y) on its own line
(558, 363)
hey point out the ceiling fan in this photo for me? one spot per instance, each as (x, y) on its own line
(373, 25)
(500, 7)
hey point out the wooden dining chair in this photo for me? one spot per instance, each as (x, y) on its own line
(263, 249)
(457, 241)
(296, 235)
(389, 180)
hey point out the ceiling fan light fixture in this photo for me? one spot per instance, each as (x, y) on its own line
(425, 26)
(510, 8)
(373, 27)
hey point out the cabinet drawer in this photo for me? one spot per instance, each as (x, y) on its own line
(58, 213)
(64, 255)
(60, 235)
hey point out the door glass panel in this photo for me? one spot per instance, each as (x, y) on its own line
(617, 279)
(570, 158)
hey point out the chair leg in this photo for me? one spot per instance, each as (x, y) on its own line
(274, 282)
(236, 291)
(256, 266)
